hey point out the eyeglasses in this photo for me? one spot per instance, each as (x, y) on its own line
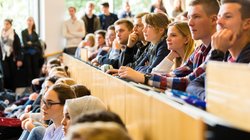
(49, 104)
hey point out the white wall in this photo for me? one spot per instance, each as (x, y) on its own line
(52, 17)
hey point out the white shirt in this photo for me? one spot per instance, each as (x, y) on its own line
(73, 31)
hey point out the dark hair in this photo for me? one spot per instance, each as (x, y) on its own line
(9, 20)
(101, 32)
(210, 7)
(63, 92)
(52, 79)
(54, 61)
(80, 90)
(245, 4)
(111, 27)
(105, 4)
(100, 115)
(128, 23)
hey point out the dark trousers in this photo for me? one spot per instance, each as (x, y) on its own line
(9, 73)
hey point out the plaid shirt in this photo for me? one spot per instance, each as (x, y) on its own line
(181, 76)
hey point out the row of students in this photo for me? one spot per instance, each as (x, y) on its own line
(61, 101)
(201, 13)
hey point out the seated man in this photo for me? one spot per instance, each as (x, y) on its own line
(233, 35)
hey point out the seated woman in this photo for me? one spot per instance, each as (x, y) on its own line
(52, 109)
(74, 107)
(88, 43)
(180, 43)
(100, 43)
(155, 27)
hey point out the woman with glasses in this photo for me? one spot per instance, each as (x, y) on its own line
(52, 109)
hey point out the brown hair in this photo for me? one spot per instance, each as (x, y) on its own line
(63, 92)
(245, 4)
(9, 20)
(128, 23)
(72, 8)
(157, 20)
(101, 32)
(211, 7)
(140, 15)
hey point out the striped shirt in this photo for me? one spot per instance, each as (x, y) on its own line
(180, 77)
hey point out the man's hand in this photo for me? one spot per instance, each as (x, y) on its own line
(132, 39)
(223, 40)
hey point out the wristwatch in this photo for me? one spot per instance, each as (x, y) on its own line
(147, 76)
(217, 55)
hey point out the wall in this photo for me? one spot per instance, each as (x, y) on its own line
(52, 16)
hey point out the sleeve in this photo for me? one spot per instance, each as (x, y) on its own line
(179, 83)
(162, 52)
(136, 62)
(65, 31)
(98, 23)
(197, 87)
(24, 38)
(82, 31)
(105, 60)
(164, 67)
(17, 48)
(35, 40)
(128, 56)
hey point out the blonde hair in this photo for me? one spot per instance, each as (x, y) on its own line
(98, 131)
(183, 28)
(90, 37)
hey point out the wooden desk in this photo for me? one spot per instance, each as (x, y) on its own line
(147, 115)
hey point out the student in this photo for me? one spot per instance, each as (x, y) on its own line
(74, 107)
(32, 49)
(11, 56)
(123, 28)
(155, 27)
(126, 11)
(100, 44)
(91, 21)
(88, 43)
(180, 43)
(202, 13)
(137, 46)
(158, 6)
(73, 31)
(52, 109)
(107, 18)
(232, 35)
